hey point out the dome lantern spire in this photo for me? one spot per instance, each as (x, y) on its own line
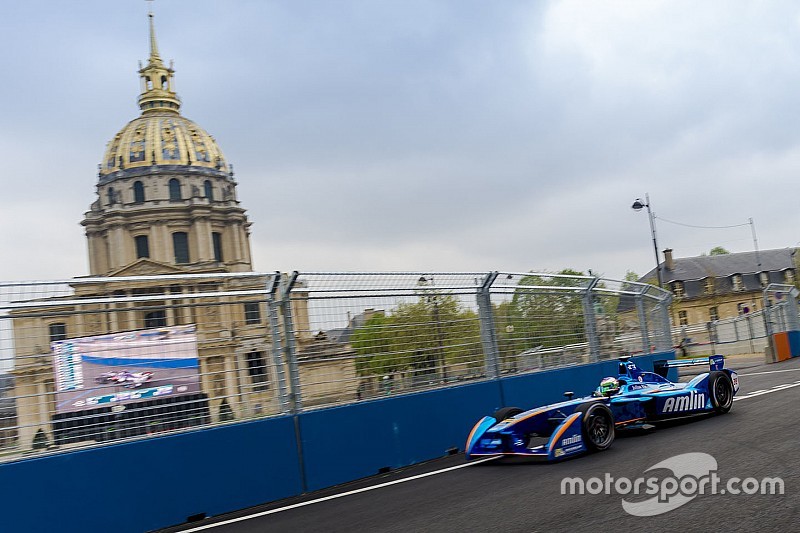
(158, 94)
(154, 57)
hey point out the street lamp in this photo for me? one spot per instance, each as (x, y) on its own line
(637, 206)
(433, 299)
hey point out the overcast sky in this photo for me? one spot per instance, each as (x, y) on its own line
(448, 135)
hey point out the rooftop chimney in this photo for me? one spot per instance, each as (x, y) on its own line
(669, 262)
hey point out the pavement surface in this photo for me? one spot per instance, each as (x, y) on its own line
(758, 439)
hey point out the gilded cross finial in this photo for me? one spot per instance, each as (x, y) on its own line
(158, 93)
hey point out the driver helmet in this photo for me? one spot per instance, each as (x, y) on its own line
(609, 386)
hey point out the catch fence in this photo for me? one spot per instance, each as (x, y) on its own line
(88, 361)
(749, 332)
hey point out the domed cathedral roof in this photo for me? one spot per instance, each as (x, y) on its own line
(166, 194)
(160, 136)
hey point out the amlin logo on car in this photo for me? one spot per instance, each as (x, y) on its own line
(688, 402)
(692, 474)
(569, 444)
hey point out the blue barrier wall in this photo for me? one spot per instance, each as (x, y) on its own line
(794, 343)
(353, 441)
(154, 483)
(146, 485)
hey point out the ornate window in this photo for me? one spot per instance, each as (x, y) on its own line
(713, 314)
(677, 289)
(710, 285)
(155, 319)
(175, 190)
(209, 190)
(257, 369)
(138, 192)
(252, 313)
(142, 246)
(57, 331)
(736, 279)
(683, 318)
(216, 240)
(180, 245)
(112, 196)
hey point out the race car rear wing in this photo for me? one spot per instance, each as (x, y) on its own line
(714, 362)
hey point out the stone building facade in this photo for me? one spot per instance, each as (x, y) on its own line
(714, 287)
(167, 208)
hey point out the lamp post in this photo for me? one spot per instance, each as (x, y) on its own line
(434, 301)
(637, 206)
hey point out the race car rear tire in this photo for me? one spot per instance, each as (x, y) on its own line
(597, 426)
(720, 390)
(506, 412)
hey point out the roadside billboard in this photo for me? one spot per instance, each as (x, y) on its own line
(116, 369)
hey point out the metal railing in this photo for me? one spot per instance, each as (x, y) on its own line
(750, 332)
(92, 360)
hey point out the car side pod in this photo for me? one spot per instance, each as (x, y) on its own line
(567, 439)
(477, 432)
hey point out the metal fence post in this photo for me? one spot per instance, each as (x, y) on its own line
(590, 321)
(290, 348)
(666, 331)
(277, 345)
(792, 319)
(767, 315)
(712, 335)
(643, 323)
(488, 334)
(750, 333)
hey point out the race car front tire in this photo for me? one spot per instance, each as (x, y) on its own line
(720, 390)
(506, 413)
(597, 426)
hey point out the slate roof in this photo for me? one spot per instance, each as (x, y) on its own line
(693, 271)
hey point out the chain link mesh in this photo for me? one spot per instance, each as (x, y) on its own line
(88, 361)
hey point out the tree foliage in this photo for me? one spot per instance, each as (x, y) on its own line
(427, 337)
(544, 311)
(718, 250)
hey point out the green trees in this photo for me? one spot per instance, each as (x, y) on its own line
(718, 250)
(544, 311)
(439, 336)
(433, 336)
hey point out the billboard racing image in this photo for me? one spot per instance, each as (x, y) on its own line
(116, 369)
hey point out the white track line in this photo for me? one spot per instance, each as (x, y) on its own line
(433, 473)
(771, 372)
(776, 388)
(340, 495)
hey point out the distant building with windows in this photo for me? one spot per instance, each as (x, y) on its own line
(713, 287)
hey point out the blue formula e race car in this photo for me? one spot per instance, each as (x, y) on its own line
(634, 399)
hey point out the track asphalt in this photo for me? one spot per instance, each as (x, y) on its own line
(759, 438)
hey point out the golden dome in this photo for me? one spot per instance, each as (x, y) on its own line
(160, 136)
(162, 139)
